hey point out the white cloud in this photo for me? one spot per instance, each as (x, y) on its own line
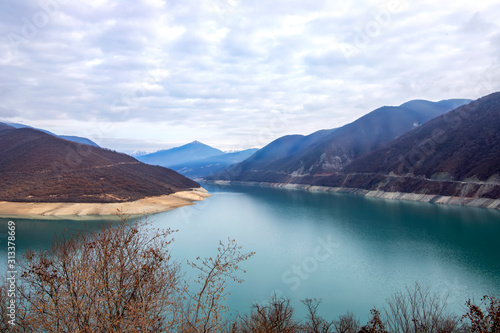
(227, 72)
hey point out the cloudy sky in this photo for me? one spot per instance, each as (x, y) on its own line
(149, 74)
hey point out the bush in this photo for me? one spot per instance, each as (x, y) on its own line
(121, 279)
(276, 316)
(346, 324)
(375, 325)
(418, 310)
(484, 318)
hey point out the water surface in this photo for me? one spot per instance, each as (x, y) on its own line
(352, 252)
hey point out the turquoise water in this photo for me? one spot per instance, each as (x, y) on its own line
(352, 252)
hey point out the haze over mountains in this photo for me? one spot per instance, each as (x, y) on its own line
(195, 159)
(417, 147)
(38, 167)
(455, 154)
(4, 126)
(179, 155)
(211, 165)
(77, 139)
(447, 148)
(328, 151)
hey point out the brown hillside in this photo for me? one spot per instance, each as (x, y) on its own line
(461, 145)
(5, 127)
(457, 154)
(37, 167)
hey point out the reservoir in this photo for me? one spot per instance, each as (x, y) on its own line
(351, 251)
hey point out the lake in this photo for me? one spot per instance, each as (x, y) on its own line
(352, 252)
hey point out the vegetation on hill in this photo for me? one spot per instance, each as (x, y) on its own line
(73, 138)
(455, 154)
(291, 157)
(38, 167)
(5, 127)
(462, 144)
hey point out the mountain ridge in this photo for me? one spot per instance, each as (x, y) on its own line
(329, 151)
(38, 167)
(73, 138)
(456, 154)
(190, 152)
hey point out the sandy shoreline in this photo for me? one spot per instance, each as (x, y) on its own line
(431, 198)
(146, 206)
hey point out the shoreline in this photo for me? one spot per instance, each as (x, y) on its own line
(429, 198)
(145, 206)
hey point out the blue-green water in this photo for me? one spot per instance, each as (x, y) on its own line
(350, 251)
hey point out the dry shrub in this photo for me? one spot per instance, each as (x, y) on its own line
(121, 279)
(375, 325)
(274, 317)
(483, 318)
(347, 323)
(418, 310)
(205, 310)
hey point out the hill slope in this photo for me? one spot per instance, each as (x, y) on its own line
(4, 126)
(38, 167)
(326, 152)
(77, 139)
(457, 154)
(180, 155)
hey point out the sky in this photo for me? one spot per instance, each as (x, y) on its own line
(143, 75)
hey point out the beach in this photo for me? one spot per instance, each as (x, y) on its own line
(146, 206)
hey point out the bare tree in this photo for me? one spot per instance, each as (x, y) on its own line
(416, 310)
(275, 317)
(346, 323)
(315, 323)
(205, 309)
(123, 279)
(120, 279)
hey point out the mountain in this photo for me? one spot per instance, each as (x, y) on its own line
(262, 165)
(4, 126)
(290, 158)
(76, 139)
(456, 154)
(180, 155)
(38, 167)
(210, 165)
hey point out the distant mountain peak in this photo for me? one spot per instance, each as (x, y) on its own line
(198, 143)
(189, 152)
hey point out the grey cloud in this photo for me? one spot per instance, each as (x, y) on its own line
(477, 24)
(224, 66)
(8, 113)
